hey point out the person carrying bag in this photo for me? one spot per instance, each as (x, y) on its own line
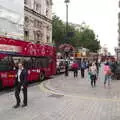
(93, 74)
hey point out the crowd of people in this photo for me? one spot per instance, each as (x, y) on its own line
(93, 70)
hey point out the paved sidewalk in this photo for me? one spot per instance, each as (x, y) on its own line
(65, 98)
(70, 86)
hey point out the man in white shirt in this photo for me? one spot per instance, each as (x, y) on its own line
(21, 82)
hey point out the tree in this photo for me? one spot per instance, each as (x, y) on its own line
(58, 31)
(88, 40)
(85, 37)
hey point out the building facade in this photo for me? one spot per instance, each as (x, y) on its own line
(38, 21)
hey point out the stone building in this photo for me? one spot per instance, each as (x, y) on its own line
(119, 26)
(38, 21)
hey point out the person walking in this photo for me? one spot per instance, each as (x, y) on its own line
(93, 74)
(21, 83)
(113, 68)
(66, 68)
(83, 66)
(97, 66)
(108, 74)
(75, 68)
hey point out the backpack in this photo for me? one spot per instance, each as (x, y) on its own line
(83, 65)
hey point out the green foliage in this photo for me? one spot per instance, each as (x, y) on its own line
(58, 29)
(84, 37)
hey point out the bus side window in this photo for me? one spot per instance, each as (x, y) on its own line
(38, 64)
(33, 63)
(10, 63)
(27, 62)
(44, 62)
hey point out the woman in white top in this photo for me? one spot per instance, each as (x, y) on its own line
(93, 74)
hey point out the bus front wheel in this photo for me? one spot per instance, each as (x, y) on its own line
(42, 76)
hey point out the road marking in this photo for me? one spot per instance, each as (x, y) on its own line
(48, 90)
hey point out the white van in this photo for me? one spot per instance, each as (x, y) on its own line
(60, 66)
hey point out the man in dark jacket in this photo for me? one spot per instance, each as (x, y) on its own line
(66, 68)
(21, 83)
(83, 67)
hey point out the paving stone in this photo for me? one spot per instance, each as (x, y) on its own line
(77, 101)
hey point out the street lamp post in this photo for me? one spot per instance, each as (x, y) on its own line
(67, 2)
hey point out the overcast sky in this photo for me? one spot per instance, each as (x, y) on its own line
(11, 16)
(14, 5)
(100, 15)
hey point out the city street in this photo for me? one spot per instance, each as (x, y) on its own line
(65, 98)
(41, 42)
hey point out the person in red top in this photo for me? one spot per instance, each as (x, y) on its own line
(75, 68)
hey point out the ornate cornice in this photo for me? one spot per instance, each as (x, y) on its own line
(37, 14)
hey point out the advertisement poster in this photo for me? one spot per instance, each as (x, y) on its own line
(12, 19)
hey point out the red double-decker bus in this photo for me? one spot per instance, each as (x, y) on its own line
(39, 60)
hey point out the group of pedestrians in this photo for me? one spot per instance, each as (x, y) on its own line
(93, 71)
(76, 67)
(92, 67)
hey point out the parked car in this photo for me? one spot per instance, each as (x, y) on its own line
(60, 66)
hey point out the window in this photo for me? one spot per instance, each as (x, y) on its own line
(38, 36)
(26, 19)
(6, 64)
(27, 61)
(48, 39)
(26, 35)
(35, 21)
(48, 28)
(35, 62)
(9, 63)
(43, 62)
(47, 12)
(25, 1)
(37, 7)
(47, 3)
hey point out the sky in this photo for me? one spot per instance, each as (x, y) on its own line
(16, 5)
(11, 18)
(100, 15)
